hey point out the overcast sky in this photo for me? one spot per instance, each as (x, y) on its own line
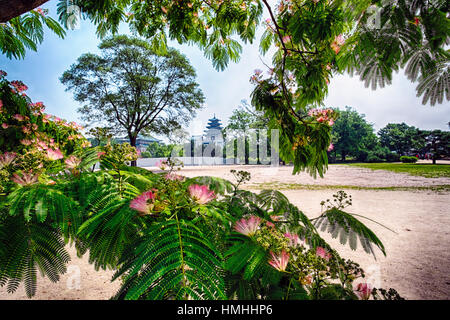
(223, 90)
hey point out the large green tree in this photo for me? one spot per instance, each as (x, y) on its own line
(400, 137)
(132, 88)
(158, 150)
(437, 143)
(352, 134)
(246, 119)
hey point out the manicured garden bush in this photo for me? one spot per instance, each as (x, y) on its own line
(408, 159)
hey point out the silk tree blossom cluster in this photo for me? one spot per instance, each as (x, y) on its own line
(248, 226)
(294, 239)
(283, 247)
(279, 261)
(269, 25)
(274, 218)
(323, 253)
(323, 115)
(72, 162)
(201, 194)
(337, 44)
(54, 154)
(41, 11)
(37, 108)
(18, 86)
(34, 125)
(26, 178)
(144, 203)
(7, 159)
(257, 76)
(162, 164)
(363, 291)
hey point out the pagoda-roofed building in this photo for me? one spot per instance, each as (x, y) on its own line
(213, 132)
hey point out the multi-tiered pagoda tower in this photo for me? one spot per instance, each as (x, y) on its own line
(213, 132)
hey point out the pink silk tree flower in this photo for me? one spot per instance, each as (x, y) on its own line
(19, 86)
(337, 43)
(331, 147)
(19, 117)
(26, 130)
(143, 203)
(54, 154)
(340, 40)
(248, 226)
(72, 162)
(40, 11)
(100, 154)
(5, 126)
(7, 158)
(286, 39)
(294, 239)
(271, 224)
(201, 194)
(162, 164)
(279, 262)
(363, 291)
(321, 252)
(26, 179)
(26, 142)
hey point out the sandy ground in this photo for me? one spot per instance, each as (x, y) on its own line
(417, 264)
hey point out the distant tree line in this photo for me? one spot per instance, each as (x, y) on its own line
(354, 138)
(157, 150)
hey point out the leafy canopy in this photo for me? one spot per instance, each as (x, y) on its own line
(352, 134)
(134, 89)
(314, 39)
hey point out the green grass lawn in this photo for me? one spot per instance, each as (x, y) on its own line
(415, 169)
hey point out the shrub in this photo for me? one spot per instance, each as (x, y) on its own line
(392, 157)
(371, 157)
(377, 154)
(408, 159)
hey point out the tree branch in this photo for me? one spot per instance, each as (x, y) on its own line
(14, 8)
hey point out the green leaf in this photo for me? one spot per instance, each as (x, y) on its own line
(347, 226)
(174, 260)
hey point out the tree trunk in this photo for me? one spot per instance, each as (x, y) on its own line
(433, 147)
(343, 154)
(14, 8)
(246, 151)
(133, 144)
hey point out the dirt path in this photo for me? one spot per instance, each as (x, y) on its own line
(417, 262)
